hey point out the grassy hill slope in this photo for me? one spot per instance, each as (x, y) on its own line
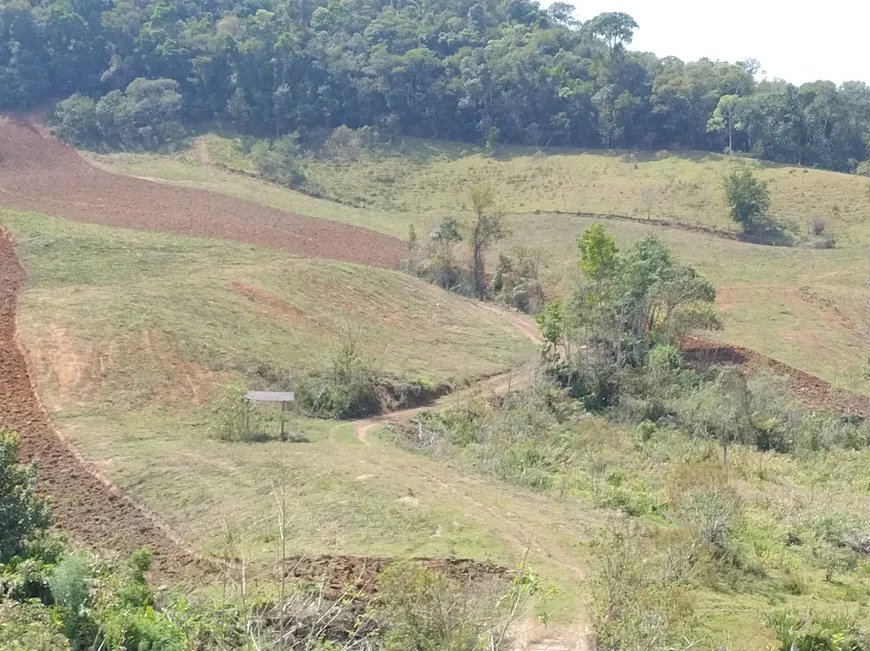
(130, 333)
(134, 315)
(804, 307)
(424, 177)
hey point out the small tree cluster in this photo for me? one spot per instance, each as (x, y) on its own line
(436, 260)
(145, 116)
(23, 514)
(749, 200)
(627, 301)
(279, 161)
(345, 145)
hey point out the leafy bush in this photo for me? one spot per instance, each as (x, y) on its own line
(29, 627)
(279, 161)
(817, 632)
(515, 281)
(428, 611)
(345, 144)
(348, 389)
(69, 583)
(636, 606)
(229, 415)
(23, 514)
(749, 199)
(326, 395)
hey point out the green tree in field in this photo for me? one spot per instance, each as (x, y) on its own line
(597, 252)
(724, 116)
(748, 198)
(486, 229)
(628, 301)
(23, 514)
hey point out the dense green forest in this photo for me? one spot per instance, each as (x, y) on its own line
(494, 71)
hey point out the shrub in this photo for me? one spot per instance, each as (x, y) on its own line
(428, 611)
(748, 198)
(515, 281)
(347, 390)
(71, 592)
(325, 395)
(229, 415)
(29, 627)
(710, 511)
(816, 225)
(817, 632)
(278, 161)
(636, 607)
(24, 515)
(345, 144)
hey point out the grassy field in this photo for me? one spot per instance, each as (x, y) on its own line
(790, 515)
(805, 307)
(130, 333)
(422, 178)
(186, 312)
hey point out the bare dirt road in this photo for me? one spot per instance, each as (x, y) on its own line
(39, 173)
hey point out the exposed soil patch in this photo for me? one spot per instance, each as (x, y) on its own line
(272, 306)
(815, 392)
(39, 173)
(359, 573)
(89, 507)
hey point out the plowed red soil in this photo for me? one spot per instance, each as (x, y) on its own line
(814, 392)
(39, 173)
(341, 574)
(83, 503)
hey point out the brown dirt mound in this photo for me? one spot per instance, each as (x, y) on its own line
(39, 173)
(89, 507)
(815, 392)
(341, 574)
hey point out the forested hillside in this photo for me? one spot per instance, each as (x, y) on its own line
(494, 71)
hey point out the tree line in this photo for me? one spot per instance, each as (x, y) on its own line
(493, 71)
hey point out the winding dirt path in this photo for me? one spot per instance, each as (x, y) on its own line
(83, 502)
(497, 384)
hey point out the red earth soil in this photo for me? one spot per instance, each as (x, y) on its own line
(814, 392)
(39, 173)
(83, 503)
(343, 574)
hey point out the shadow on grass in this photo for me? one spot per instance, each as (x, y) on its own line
(769, 234)
(265, 437)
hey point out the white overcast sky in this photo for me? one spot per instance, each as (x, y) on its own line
(797, 41)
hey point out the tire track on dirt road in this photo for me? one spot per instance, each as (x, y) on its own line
(520, 525)
(84, 503)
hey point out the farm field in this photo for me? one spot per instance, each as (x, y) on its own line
(131, 332)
